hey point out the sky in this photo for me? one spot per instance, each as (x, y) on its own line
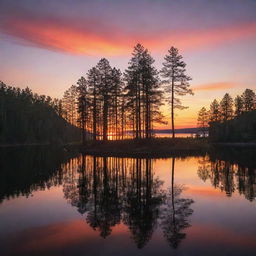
(48, 45)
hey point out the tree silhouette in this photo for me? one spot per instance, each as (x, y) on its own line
(143, 92)
(69, 105)
(202, 121)
(177, 81)
(93, 84)
(83, 106)
(233, 121)
(249, 100)
(226, 107)
(27, 118)
(238, 105)
(214, 111)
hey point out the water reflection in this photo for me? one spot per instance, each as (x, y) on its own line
(175, 213)
(109, 191)
(111, 194)
(28, 169)
(235, 174)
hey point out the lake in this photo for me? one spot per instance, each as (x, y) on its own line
(54, 202)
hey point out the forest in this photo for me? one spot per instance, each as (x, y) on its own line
(29, 118)
(230, 120)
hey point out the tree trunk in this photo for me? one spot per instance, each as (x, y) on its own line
(172, 106)
(94, 118)
(105, 119)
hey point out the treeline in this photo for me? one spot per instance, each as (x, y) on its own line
(112, 105)
(27, 118)
(230, 119)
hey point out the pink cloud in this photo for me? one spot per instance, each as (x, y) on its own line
(97, 38)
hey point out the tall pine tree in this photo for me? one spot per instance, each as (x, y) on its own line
(176, 81)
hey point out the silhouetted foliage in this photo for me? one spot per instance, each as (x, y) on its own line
(233, 121)
(202, 121)
(226, 107)
(30, 118)
(176, 80)
(238, 105)
(143, 93)
(214, 111)
(240, 129)
(249, 100)
(120, 106)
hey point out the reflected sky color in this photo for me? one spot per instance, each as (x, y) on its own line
(48, 45)
(48, 222)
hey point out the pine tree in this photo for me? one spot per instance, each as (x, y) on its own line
(203, 120)
(226, 107)
(249, 100)
(69, 104)
(143, 92)
(116, 103)
(93, 89)
(105, 92)
(214, 111)
(239, 106)
(83, 106)
(177, 82)
(133, 87)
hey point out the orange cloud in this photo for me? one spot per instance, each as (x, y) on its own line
(215, 86)
(62, 37)
(100, 38)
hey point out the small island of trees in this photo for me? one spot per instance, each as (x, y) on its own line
(107, 104)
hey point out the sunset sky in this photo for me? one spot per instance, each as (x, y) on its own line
(47, 45)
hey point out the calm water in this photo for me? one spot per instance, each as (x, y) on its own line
(57, 203)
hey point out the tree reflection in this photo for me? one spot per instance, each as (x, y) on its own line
(113, 190)
(142, 200)
(229, 176)
(175, 213)
(108, 191)
(28, 169)
(106, 210)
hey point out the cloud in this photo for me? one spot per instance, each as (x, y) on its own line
(215, 86)
(92, 35)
